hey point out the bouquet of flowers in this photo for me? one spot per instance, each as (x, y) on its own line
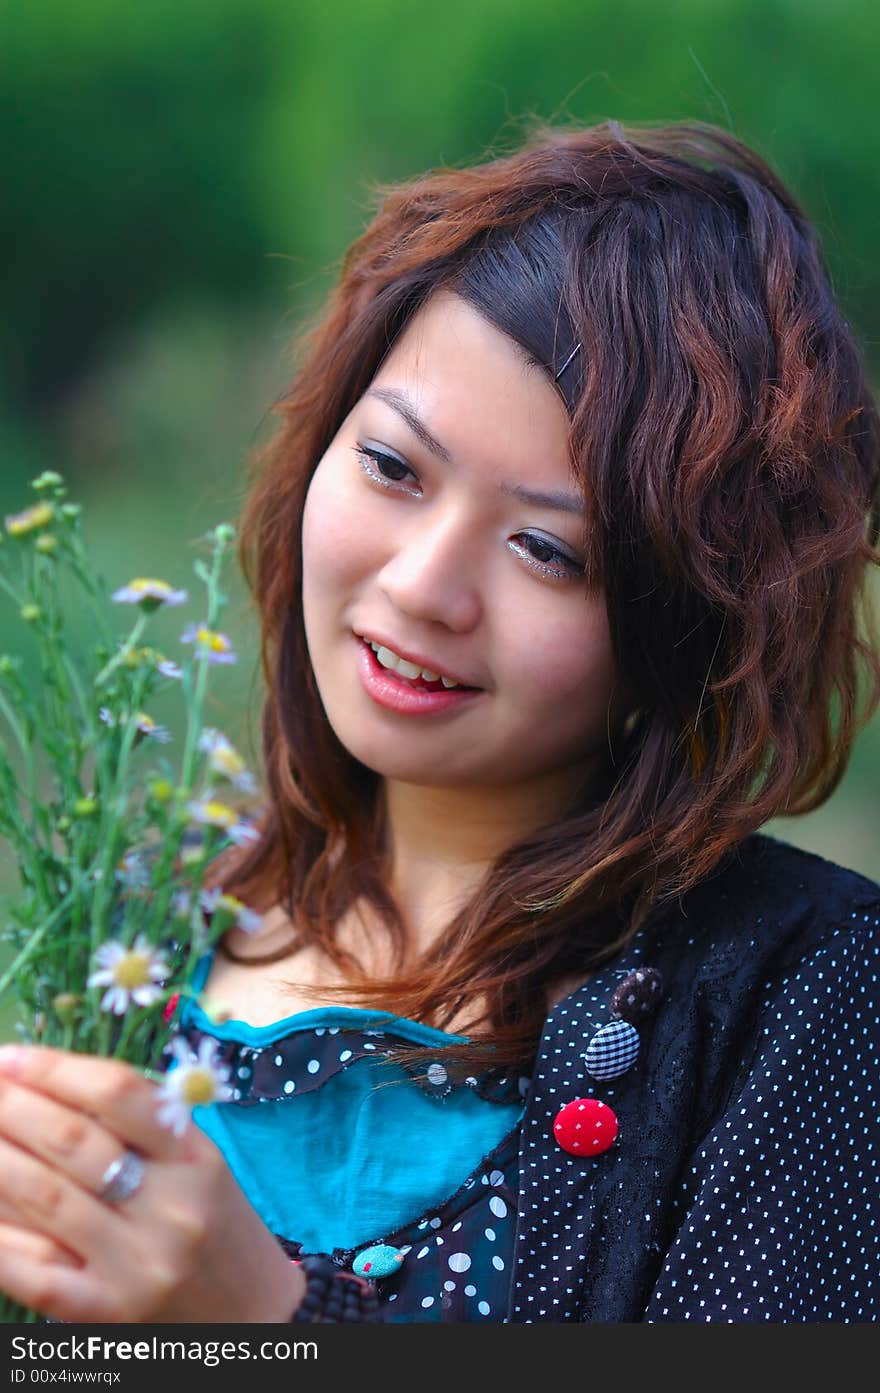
(111, 917)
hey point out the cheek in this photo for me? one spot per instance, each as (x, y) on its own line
(570, 665)
(329, 532)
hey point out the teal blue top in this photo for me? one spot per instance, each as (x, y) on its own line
(338, 1146)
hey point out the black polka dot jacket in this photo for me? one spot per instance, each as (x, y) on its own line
(734, 1047)
(742, 1183)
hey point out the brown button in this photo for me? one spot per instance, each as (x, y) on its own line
(638, 995)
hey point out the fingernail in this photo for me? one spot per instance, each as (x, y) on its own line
(11, 1058)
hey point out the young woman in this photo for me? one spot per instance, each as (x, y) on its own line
(558, 557)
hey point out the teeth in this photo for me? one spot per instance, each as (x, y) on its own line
(388, 658)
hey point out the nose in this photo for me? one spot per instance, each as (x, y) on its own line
(430, 574)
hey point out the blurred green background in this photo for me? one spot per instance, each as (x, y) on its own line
(182, 179)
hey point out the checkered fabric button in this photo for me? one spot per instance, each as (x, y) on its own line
(612, 1050)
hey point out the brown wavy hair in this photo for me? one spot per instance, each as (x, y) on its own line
(727, 445)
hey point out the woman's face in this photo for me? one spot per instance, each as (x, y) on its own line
(440, 559)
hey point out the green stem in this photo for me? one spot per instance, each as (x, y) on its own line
(193, 730)
(13, 594)
(124, 651)
(80, 565)
(20, 835)
(60, 710)
(32, 861)
(36, 939)
(113, 809)
(24, 744)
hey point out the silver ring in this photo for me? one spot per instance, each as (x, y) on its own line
(122, 1178)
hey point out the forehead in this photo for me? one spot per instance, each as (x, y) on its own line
(478, 391)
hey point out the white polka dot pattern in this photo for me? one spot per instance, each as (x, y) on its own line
(781, 1206)
(742, 1184)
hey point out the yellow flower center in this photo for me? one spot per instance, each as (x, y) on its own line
(219, 814)
(209, 638)
(132, 970)
(227, 761)
(140, 583)
(199, 1086)
(231, 903)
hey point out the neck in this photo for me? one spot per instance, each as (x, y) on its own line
(442, 841)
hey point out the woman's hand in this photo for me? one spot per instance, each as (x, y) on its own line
(187, 1246)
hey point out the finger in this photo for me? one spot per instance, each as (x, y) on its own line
(114, 1092)
(37, 1247)
(71, 1141)
(50, 1202)
(53, 1286)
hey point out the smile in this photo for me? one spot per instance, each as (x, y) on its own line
(391, 688)
(413, 665)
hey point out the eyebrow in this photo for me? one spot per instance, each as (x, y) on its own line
(401, 403)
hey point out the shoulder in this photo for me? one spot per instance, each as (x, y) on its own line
(767, 906)
(771, 864)
(776, 957)
(730, 954)
(765, 909)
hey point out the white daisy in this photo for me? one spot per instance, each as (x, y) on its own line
(194, 1080)
(211, 813)
(131, 871)
(128, 973)
(225, 760)
(145, 724)
(148, 593)
(245, 919)
(183, 907)
(210, 643)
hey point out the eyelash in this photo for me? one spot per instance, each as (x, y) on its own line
(364, 454)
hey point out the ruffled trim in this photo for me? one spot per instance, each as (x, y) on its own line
(304, 1060)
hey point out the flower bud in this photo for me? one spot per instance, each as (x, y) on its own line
(64, 823)
(136, 656)
(47, 543)
(31, 613)
(162, 790)
(224, 533)
(71, 510)
(47, 480)
(65, 1004)
(85, 807)
(31, 520)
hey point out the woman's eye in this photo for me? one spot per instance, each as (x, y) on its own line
(564, 567)
(380, 469)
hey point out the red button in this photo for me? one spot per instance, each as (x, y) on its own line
(170, 1007)
(585, 1127)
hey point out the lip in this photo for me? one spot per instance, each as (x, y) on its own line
(418, 658)
(393, 693)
